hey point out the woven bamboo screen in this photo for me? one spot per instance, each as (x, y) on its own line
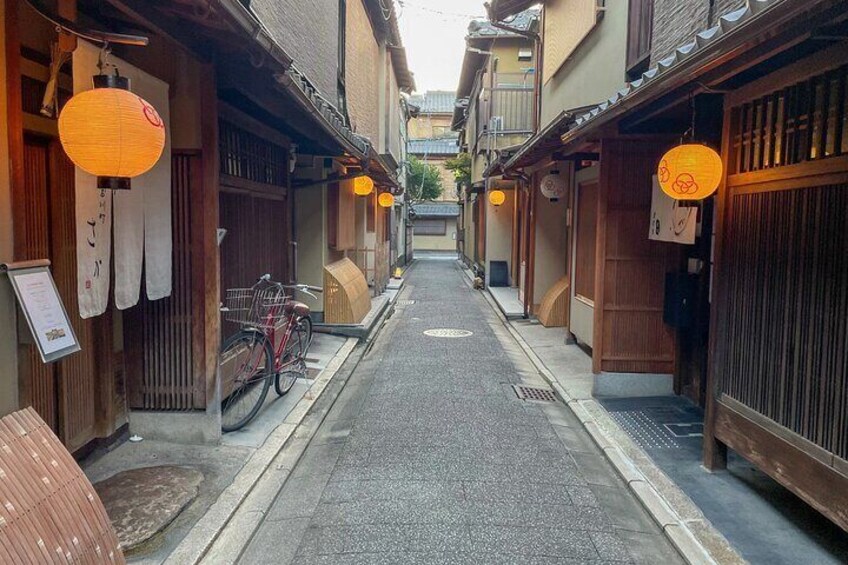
(49, 512)
(346, 296)
(553, 311)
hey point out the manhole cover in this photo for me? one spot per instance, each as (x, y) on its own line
(405, 302)
(447, 332)
(534, 394)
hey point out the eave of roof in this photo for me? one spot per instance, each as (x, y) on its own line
(733, 31)
(502, 9)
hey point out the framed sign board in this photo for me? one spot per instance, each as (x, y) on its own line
(43, 309)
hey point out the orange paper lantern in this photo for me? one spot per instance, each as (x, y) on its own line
(690, 172)
(111, 133)
(362, 186)
(497, 197)
(386, 200)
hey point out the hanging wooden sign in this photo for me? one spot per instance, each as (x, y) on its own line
(43, 309)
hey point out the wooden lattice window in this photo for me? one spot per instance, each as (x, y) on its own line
(805, 121)
(250, 157)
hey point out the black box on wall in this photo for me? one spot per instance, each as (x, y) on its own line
(678, 309)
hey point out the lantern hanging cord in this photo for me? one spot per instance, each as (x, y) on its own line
(67, 26)
(690, 133)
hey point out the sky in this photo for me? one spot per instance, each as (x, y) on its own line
(433, 33)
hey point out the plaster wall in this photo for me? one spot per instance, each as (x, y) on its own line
(445, 242)
(594, 70)
(310, 232)
(470, 229)
(499, 232)
(551, 236)
(426, 126)
(8, 323)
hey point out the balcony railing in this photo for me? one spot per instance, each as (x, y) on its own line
(513, 105)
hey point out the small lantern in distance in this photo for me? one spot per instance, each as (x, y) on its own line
(362, 186)
(497, 197)
(690, 172)
(386, 199)
(111, 133)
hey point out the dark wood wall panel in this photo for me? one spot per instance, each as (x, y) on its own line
(630, 335)
(783, 350)
(38, 379)
(77, 373)
(256, 242)
(159, 336)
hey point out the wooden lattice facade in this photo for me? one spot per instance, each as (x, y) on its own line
(780, 332)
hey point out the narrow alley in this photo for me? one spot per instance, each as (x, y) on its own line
(429, 456)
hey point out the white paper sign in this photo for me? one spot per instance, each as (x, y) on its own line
(44, 313)
(670, 221)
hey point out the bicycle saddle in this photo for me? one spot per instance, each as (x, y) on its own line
(298, 308)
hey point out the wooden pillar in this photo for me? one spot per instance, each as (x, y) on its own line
(529, 294)
(600, 256)
(715, 452)
(15, 123)
(205, 260)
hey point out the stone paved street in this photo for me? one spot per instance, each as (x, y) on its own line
(428, 456)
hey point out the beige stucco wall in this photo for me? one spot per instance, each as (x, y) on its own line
(445, 242)
(499, 231)
(362, 73)
(310, 232)
(551, 236)
(470, 229)
(505, 51)
(595, 70)
(422, 126)
(8, 324)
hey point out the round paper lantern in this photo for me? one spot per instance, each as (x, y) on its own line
(497, 197)
(111, 133)
(690, 172)
(553, 186)
(363, 186)
(386, 199)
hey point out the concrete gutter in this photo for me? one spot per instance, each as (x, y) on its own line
(250, 488)
(694, 537)
(228, 526)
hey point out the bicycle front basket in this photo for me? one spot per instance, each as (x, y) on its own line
(240, 306)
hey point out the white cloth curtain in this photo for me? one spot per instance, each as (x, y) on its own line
(142, 215)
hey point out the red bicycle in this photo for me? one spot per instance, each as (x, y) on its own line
(275, 336)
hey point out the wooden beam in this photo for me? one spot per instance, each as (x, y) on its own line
(818, 484)
(68, 10)
(579, 156)
(205, 259)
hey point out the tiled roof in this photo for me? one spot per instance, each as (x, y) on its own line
(434, 101)
(668, 66)
(436, 210)
(522, 21)
(443, 146)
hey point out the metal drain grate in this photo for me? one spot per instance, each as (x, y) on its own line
(534, 394)
(447, 332)
(405, 302)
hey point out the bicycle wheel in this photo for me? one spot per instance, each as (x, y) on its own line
(294, 356)
(246, 363)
